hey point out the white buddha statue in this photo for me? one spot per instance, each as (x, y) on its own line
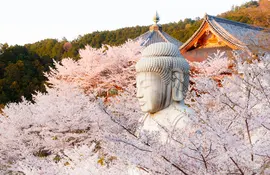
(162, 82)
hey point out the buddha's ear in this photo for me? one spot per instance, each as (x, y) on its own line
(177, 84)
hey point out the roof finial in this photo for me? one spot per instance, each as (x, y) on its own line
(156, 18)
(205, 15)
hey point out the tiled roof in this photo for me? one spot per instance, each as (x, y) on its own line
(239, 34)
(155, 36)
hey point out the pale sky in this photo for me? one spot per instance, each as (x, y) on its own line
(28, 21)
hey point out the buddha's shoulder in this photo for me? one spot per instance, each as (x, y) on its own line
(181, 116)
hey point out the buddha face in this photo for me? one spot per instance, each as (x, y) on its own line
(152, 92)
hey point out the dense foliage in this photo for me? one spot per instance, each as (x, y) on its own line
(21, 73)
(51, 48)
(54, 49)
(253, 12)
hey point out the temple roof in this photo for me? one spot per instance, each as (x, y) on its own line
(155, 35)
(151, 37)
(235, 34)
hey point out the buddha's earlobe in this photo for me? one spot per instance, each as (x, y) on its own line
(177, 85)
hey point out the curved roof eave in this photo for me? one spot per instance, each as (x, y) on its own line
(221, 32)
(193, 36)
(218, 30)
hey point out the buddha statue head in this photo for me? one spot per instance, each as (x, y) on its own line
(162, 77)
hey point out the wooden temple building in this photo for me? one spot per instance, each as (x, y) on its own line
(221, 34)
(214, 34)
(155, 35)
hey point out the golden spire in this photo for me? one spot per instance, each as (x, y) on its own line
(155, 27)
(156, 18)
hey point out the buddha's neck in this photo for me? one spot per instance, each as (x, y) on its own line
(172, 110)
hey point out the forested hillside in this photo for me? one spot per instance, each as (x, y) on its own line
(21, 73)
(54, 48)
(21, 67)
(253, 12)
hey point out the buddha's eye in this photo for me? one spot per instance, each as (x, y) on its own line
(145, 86)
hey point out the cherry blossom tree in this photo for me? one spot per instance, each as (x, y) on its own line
(236, 116)
(88, 122)
(44, 137)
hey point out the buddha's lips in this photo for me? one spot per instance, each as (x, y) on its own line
(141, 103)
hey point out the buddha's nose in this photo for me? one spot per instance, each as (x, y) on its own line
(139, 92)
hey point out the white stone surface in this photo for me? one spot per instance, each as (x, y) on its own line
(162, 82)
(165, 121)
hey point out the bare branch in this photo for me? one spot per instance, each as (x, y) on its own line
(174, 165)
(249, 136)
(117, 122)
(241, 171)
(265, 127)
(128, 143)
(210, 149)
